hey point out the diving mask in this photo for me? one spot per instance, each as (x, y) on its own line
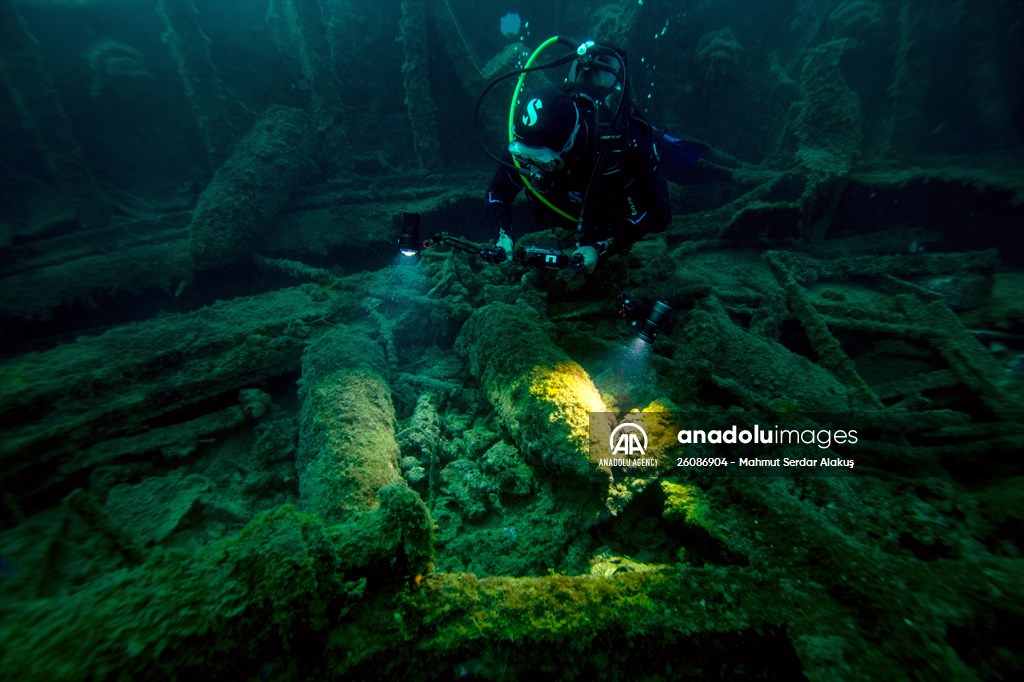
(539, 159)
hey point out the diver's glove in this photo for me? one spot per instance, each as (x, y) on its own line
(587, 255)
(505, 242)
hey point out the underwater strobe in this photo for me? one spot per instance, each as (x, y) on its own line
(409, 238)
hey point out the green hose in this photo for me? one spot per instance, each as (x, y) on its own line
(511, 129)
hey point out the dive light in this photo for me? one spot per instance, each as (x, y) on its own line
(646, 330)
(409, 238)
(652, 325)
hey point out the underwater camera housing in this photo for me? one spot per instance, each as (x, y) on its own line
(549, 257)
(544, 257)
(647, 327)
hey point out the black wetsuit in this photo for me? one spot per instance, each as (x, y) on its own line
(623, 194)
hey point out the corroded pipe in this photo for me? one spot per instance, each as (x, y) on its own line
(542, 396)
(347, 447)
(246, 193)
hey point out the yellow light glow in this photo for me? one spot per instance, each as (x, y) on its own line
(572, 395)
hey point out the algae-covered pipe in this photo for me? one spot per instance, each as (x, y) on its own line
(246, 193)
(347, 447)
(348, 457)
(542, 396)
(258, 600)
(416, 79)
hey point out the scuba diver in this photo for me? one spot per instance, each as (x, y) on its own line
(588, 161)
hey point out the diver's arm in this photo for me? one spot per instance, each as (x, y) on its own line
(638, 207)
(504, 187)
(591, 244)
(648, 210)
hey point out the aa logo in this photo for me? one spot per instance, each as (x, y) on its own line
(626, 439)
